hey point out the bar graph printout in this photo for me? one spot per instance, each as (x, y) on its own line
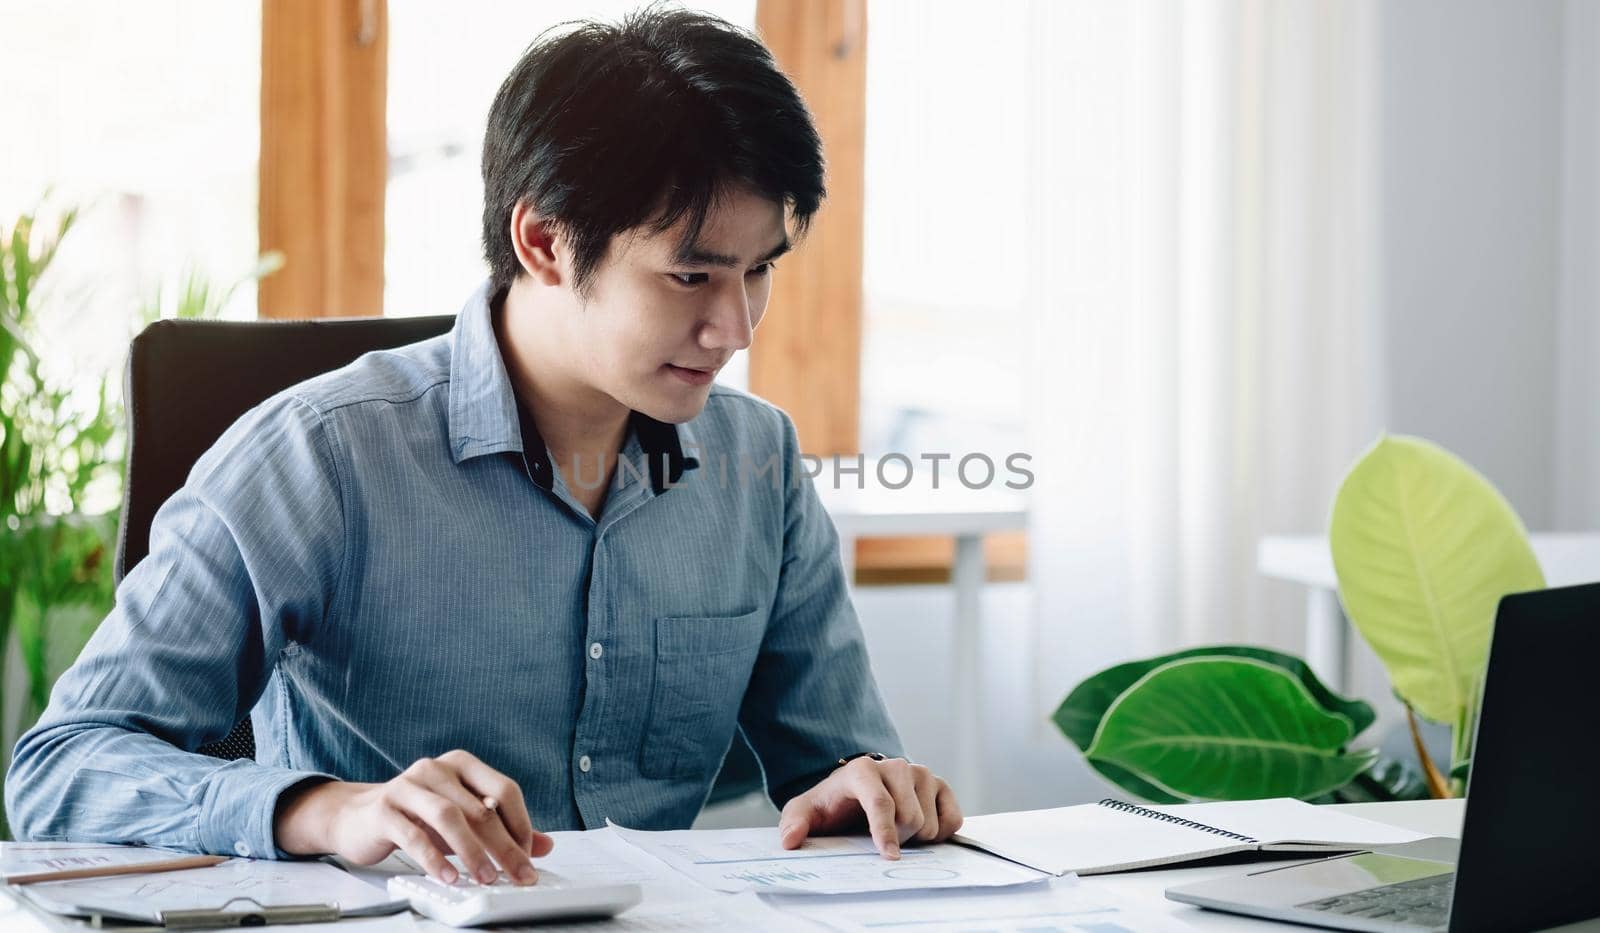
(754, 860)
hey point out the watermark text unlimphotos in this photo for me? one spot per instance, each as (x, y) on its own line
(891, 471)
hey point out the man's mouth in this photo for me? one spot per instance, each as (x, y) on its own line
(692, 375)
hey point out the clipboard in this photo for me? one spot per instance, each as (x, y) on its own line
(237, 912)
(241, 892)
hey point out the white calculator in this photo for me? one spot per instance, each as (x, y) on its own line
(468, 903)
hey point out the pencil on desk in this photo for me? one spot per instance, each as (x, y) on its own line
(174, 864)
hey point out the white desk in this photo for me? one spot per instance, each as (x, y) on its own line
(1144, 889)
(955, 510)
(1565, 558)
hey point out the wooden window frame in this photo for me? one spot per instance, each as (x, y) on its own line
(324, 156)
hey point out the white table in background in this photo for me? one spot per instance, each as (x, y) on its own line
(1565, 558)
(960, 512)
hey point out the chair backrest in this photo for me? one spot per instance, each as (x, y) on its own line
(187, 381)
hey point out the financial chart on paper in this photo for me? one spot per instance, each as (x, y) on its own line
(753, 860)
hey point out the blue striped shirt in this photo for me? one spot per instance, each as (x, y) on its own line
(369, 567)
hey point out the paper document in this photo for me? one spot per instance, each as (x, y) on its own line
(26, 858)
(266, 883)
(1059, 905)
(709, 913)
(754, 860)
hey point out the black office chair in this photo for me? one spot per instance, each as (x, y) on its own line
(187, 381)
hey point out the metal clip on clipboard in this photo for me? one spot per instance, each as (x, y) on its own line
(256, 917)
(253, 916)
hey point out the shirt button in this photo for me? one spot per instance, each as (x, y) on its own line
(595, 651)
(242, 848)
(583, 763)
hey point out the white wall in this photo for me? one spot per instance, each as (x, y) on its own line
(1470, 161)
(1577, 451)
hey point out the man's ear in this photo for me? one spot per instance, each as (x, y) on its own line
(536, 242)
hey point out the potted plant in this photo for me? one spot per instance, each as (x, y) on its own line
(55, 559)
(56, 442)
(1424, 548)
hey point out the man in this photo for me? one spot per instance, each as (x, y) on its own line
(529, 575)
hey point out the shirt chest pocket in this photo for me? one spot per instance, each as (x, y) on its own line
(702, 667)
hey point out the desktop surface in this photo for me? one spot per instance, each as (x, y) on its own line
(1147, 889)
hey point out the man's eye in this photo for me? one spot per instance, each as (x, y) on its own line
(691, 279)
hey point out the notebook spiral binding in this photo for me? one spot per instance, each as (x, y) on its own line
(1126, 807)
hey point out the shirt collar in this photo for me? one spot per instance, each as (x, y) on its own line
(486, 415)
(483, 409)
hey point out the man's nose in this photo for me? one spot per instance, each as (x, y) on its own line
(729, 327)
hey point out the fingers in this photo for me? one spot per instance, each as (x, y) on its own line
(432, 793)
(414, 841)
(950, 817)
(443, 817)
(901, 802)
(896, 774)
(797, 819)
(927, 796)
(487, 782)
(510, 855)
(879, 806)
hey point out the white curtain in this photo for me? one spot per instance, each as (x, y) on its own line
(1205, 339)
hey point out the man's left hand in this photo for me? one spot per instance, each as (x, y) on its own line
(897, 801)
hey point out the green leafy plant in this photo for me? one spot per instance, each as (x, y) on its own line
(196, 297)
(1223, 722)
(56, 444)
(1424, 548)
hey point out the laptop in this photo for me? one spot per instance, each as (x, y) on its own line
(1527, 853)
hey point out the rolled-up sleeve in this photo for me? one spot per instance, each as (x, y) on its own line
(812, 698)
(244, 561)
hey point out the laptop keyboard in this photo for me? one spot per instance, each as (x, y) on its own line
(1424, 902)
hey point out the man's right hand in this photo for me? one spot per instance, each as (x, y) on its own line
(433, 809)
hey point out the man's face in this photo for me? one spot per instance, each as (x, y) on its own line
(658, 326)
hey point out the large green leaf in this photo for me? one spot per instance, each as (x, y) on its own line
(1227, 729)
(1387, 779)
(1424, 548)
(1079, 715)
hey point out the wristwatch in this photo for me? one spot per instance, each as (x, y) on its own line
(875, 756)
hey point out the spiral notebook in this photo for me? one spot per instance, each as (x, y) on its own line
(1111, 836)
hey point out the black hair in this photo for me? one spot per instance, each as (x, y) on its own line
(607, 127)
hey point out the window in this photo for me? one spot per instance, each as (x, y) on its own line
(106, 108)
(942, 358)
